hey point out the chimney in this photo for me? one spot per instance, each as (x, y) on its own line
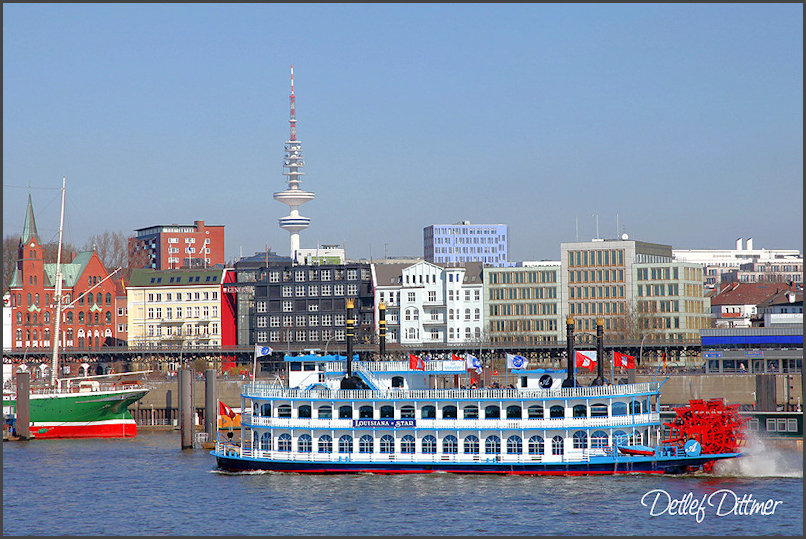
(749, 244)
(739, 244)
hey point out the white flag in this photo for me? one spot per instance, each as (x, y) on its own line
(472, 362)
(261, 351)
(516, 362)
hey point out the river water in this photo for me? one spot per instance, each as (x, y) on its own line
(149, 486)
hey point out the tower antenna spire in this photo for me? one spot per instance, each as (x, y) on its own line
(293, 196)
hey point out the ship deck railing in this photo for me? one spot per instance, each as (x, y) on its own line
(269, 390)
(652, 418)
(569, 455)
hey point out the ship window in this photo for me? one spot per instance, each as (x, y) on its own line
(620, 437)
(471, 445)
(471, 412)
(636, 438)
(580, 440)
(535, 412)
(304, 443)
(598, 439)
(325, 412)
(557, 445)
(365, 412)
(556, 412)
(284, 441)
(387, 412)
(492, 412)
(325, 441)
(296, 366)
(365, 444)
(346, 444)
(514, 445)
(284, 411)
(635, 407)
(309, 366)
(580, 410)
(428, 412)
(397, 381)
(514, 412)
(265, 441)
(619, 408)
(430, 445)
(345, 412)
(407, 444)
(387, 444)
(305, 412)
(407, 412)
(449, 412)
(450, 445)
(265, 410)
(536, 445)
(598, 410)
(492, 445)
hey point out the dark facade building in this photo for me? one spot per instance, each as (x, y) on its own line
(302, 306)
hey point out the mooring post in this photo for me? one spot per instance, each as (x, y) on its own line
(186, 410)
(210, 405)
(23, 407)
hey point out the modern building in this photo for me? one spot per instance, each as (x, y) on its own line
(783, 307)
(788, 270)
(465, 242)
(522, 304)
(164, 247)
(87, 297)
(721, 261)
(305, 306)
(635, 287)
(174, 308)
(428, 303)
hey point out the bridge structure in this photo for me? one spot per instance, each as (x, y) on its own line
(647, 353)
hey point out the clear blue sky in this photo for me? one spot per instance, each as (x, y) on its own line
(677, 123)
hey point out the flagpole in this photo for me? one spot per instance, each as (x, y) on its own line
(254, 366)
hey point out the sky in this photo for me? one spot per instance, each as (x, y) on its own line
(679, 124)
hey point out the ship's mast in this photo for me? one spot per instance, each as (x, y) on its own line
(55, 363)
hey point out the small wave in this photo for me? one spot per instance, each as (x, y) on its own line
(761, 459)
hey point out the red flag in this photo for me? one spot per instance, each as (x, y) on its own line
(223, 409)
(416, 363)
(623, 360)
(584, 361)
(456, 358)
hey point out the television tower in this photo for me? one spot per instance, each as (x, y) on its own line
(293, 197)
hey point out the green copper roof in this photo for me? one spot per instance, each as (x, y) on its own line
(178, 277)
(70, 272)
(29, 227)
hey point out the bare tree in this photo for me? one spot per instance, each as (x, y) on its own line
(112, 248)
(10, 244)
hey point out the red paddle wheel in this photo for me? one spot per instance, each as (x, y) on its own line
(718, 427)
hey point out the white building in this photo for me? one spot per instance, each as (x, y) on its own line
(720, 261)
(430, 303)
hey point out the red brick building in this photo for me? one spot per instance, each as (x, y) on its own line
(165, 247)
(88, 304)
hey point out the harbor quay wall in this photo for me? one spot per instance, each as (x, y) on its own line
(677, 390)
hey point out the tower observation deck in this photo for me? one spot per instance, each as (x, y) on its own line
(293, 197)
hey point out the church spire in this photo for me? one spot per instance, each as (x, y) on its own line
(29, 228)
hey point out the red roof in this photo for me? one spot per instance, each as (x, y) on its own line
(748, 293)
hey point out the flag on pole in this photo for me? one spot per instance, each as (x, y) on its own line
(223, 409)
(416, 362)
(623, 360)
(516, 362)
(472, 362)
(261, 351)
(586, 359)
(455, 357)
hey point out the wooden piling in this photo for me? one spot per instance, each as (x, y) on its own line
(210, 405)
(186, 411)
(23, 407)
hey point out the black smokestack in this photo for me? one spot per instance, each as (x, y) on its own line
(599, 380)
(569, 340)
(382, 328)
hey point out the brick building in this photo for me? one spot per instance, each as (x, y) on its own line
(88, 307)
(163, 247)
